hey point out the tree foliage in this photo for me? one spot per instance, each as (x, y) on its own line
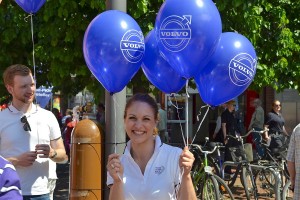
(271, 25)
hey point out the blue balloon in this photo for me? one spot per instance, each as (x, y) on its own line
(188, 33)
(157, 69)
(31, 6)
(113, 48)
(230, 70)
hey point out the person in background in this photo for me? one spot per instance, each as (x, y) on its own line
(162, 124)
(69, 129)
(10, 187)
(57, 114)
(257, 123)
(229, 127)
(100, 116)
(274, 123)
(148, 168)
(293, 161)
(67, 118)
(218, 135)
(29, 134)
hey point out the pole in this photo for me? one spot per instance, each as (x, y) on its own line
(114, 111)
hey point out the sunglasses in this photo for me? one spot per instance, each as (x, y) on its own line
(277, 105)
(26, 125)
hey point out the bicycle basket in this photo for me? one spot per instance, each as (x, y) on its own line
(237, 154)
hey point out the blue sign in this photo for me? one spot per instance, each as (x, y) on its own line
(43, 95)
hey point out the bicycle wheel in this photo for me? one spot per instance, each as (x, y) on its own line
(287, 194)
(248, 182)
(224, 190)
(268, 180)
(210, 188)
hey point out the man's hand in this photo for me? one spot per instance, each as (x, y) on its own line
(43, 150)
(24, 160)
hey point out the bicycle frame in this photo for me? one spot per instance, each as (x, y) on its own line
(204, 175)
(242, 166)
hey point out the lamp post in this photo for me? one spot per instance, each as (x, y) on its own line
(114, 106)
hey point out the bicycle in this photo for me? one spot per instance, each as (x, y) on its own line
(243, 167)
(269, 177)
(207, 184)
(273, 159)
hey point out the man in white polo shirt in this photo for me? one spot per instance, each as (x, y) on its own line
(29, 135)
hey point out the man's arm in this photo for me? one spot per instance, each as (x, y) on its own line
(57, 150)
(224, 132)
(265, 134)
(284, 131)
(292, 172)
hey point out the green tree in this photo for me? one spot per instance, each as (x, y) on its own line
(59, 26)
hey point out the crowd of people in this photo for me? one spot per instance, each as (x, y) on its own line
(273, 123)
(33, 140)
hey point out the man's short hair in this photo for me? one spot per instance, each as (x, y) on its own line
(230, 102)
(13, 70)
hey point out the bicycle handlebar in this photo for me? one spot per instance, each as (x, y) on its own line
(238, 137)
(202, 151)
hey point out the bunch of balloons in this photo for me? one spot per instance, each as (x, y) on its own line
(187, 42)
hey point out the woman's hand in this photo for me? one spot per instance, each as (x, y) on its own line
(186, 160)
(114, 167)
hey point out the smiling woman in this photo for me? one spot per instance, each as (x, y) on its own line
(148, 167)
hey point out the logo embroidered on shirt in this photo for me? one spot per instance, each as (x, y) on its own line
(159, 170)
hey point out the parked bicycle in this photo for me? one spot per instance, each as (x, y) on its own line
(274, 176)
(207, 184)
(243, 167)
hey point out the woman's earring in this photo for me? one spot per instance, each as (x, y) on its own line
(155, 132)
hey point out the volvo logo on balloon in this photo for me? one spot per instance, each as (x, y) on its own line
(175, 32)
(132, 46)
(242, 69)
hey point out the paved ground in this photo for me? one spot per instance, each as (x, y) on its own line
(62, 186)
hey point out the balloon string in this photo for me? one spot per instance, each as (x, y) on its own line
(187, 111)
(177, 110)
(33, 52)
(115, 130)
(186, 88)
(201, 120)
(177, 187)
(115, 116)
